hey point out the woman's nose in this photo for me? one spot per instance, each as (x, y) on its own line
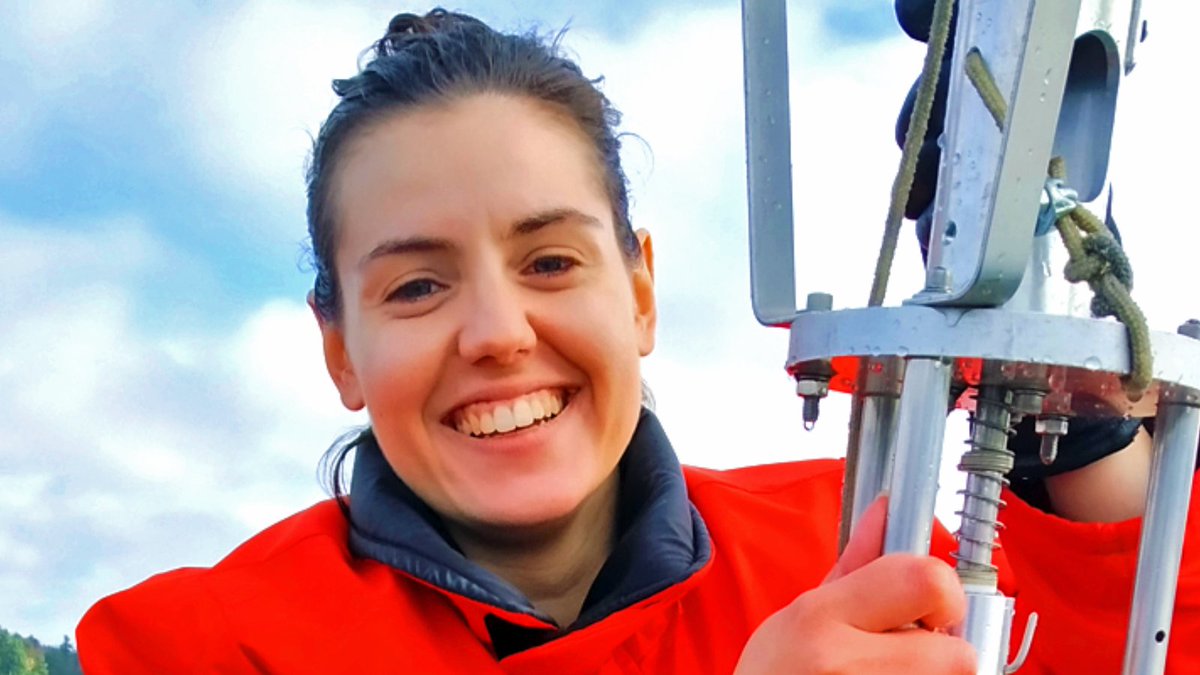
(496, 325)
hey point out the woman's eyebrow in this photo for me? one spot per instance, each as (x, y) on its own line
(414, 244)
(541, 219)
(525, 226)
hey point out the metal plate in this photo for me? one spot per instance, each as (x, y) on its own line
(1090, 355)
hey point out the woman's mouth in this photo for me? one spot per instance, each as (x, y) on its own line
(495, 418)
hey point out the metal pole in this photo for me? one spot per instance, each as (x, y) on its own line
(877, 440)
(1176, 433)
(987, 627)
(919, 437)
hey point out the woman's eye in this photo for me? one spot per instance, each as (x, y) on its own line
(415, 291)
(551, 265)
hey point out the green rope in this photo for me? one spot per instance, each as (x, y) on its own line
(1095, 256)
(917, 127)
(981, 76)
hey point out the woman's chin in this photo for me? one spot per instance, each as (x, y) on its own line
(526, 513)
(520, 513)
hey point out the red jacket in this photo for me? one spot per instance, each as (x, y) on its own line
(294, 598)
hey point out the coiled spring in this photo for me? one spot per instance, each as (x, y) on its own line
(986, 463)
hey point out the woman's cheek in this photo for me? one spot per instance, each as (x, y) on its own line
(399, 370)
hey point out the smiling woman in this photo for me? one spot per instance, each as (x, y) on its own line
(482, 284)
(513, 507)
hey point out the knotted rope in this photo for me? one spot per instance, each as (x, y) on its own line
(1095, 255)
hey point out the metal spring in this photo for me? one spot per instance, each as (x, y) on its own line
(985, 464)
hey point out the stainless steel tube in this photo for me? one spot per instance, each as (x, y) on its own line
(877, 435)
(879, 419)
(919, 436)
(987, 627)
(1176, 434)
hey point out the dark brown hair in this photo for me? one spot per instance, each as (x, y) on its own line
(437, 57)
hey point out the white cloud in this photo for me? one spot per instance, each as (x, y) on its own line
(260, 87)
(114, 443)
(77, 64)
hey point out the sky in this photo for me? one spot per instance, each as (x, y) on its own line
(162, 393)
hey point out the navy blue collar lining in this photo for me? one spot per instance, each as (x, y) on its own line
(662, 539)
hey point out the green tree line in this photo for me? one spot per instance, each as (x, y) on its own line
(26, 656)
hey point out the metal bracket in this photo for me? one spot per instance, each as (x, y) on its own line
(769, 161)
(1057, 201)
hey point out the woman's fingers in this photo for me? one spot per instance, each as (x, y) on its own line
(913, 651)
(893, 592)
(863, 623)
(864, 618)
(889, 592)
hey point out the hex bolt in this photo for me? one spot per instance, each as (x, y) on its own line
(812, 390)
(1027, 402)
(1051, 428)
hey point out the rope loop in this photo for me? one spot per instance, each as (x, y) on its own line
(1095, 255)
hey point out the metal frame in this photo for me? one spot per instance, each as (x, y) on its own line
(990, 317)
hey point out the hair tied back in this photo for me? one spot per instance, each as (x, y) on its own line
(404, 27)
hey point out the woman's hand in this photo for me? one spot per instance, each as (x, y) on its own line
(872, 614)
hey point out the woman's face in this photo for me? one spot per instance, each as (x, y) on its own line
(491, 325)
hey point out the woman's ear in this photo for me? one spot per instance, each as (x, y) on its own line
(337, 360)
(647, 245)
(645, 306)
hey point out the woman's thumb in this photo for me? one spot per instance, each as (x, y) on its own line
(866, 541)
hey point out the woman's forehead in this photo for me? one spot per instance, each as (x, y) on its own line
(485, 158)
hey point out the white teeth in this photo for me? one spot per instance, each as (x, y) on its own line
(522, 413)
(504, 418)
(536, 408)
(487, 419)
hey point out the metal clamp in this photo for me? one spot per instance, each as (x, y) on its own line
(1057, 200)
